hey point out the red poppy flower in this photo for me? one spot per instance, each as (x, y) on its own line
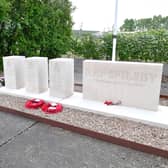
(107, 102)
(52, 108)
(34, 103)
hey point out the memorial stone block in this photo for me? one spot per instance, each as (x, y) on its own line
(134, 84)
(61, 73)
(14, 71)
(36, 74)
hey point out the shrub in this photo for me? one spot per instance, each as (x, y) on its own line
(35, 27)
(149, 46)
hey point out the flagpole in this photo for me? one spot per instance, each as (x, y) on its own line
(115, 32)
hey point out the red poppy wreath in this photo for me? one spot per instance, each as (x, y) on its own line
(34, 103)
(52, 108)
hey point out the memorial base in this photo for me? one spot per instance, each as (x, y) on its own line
(138, 129)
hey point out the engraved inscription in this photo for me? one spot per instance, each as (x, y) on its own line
(124, 77)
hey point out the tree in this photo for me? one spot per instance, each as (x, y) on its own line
(145, 24)
(157, 22)
(38, 27)
(4, 18)
(107, 45)
(87, 45)
(129, 25)
(4, 8)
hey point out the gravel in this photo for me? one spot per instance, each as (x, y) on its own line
(113, 126)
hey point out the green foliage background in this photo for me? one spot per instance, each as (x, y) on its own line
(44, 28)
(35, 27)
(148, 46)
(145, 24)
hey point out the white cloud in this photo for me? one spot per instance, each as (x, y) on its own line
(99, 14)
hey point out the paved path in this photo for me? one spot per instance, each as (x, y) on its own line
(26, 143)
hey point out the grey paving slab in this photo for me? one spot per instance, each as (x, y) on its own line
(43, 146)
(11, 126)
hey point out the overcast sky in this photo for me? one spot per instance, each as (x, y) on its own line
(99, 14)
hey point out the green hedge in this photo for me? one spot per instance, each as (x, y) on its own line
(150, 46)
(35, 27)
(87, 46)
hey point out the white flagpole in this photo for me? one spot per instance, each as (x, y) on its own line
(115, 32)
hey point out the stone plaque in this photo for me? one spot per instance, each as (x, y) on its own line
(14, 71)
(36, 74)
(61, 72)
(135, 84)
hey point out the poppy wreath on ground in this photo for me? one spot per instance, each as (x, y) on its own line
(52, 108)
(34, 103)
(109, 102)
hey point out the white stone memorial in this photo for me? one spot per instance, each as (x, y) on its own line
(36, 74)
(61, 73)
(134, 84)
(14, 71)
